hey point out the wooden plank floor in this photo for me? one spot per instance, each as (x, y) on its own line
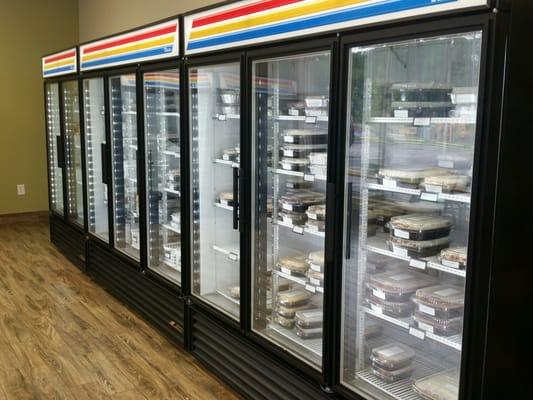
(64, 337)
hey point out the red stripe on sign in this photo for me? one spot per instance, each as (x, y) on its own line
(132, 38)
(241, 11)
(60, 57)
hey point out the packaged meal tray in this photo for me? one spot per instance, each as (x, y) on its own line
(174, 175)
(315, 225)
(440, 386)
(392, 356)
(413, 176)
(315, 260)
(443, 297)
(294, 264)
(309, 333)
(231, 154)
(394, 375)
(420, 226)
(318, 158)
(293, 218)
(417, 248)
(290, 312)
(400, 282)
(284, 322)
(297, 183)
(372, 330)
(226, 198)
(235, 292)
(447, 183)
(401, 309)
(316, 212)
(312, 318)
(299, 201)
(315, 278)
(316, 112)
(305, 136)
(317, 101)
(453, 257)
(294, 164)
(438, 326)
(294, 298)
(301, 150)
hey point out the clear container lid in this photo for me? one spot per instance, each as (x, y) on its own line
(442, 296)
(293, 298)
(454, 254)
(411, 174)
(304, 132)
(420, 222)
(309, 317)
(419, 245)
(440, 386)
(399, 282)
(439, 323)
(295, 263)
(392, 355)
(316, 257)
(450, 182)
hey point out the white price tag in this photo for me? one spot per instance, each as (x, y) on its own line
(425, 327)
(224, 202)
(320, 289)
(429, 196)
(426, 310)
(298, 229)
(312, 216)
(433, 188)
(417, 264)
(450, 264)
(310, 120)
(422, 122)
(379, 294)
(233, 256)
(287, 207)
(390, 183)
(288, 139)
(315, 267)
(400, 251)
(285, 270)
(288, 153)
(308, 177)
(417, 333)
(310, 288)
(445, 164)
(315, 282)
(401, 233)
(377, 309)
(221, 117)
(401, 114)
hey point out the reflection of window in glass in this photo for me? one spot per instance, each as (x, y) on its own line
(409, 157)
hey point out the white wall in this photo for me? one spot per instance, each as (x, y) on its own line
(99, 18)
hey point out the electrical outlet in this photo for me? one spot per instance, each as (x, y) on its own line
(21, 189)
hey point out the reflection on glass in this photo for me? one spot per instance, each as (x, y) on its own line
(410, 147)
(162, 119)
(96, 153)
(124, 141)
(54, 147)
(290, 133)
(71, 116)
(215, 149)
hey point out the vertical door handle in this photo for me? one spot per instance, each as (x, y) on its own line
(105, 171)
(60, 152)
(348, 243)
(235, 198)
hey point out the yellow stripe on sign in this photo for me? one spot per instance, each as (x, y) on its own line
(128, 48)
(59, 63)
(298, 11)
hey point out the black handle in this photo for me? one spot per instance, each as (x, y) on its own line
(331, 197)
(349, 221)
(60, 152)
(241, 201)
(105, 172)
(235, 198)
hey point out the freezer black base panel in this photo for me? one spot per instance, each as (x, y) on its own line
(243, 365)
(156, 303)
(70, 241)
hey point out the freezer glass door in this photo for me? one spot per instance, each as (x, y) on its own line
(123, 114)
(215, 156)
(290, 98)
(96, 151)
(411, 133)
(71, 121)
(163, 173)
(55, 147)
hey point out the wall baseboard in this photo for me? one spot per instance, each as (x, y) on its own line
(27, 217)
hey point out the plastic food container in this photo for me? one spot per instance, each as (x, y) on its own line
(300, 150)
(442, 297)
(318, 170)
(305, 136)
(230, 154)
(293, 218)
(235, 292)
(453, 257)
(294, 164)
(172, 253)
(438, 326)
(309, 333)
(318, 158)
(290, 312)
(317, 101)
(309, 318)
(400, 283)
(315, 278)
(440, 386)
(393, 376)
(447, 183)
(393, 309)
(293, 265)
(410, 175)
(301, 200)
(316, 112)
(420, 227)
(294, 298)
(285, 322)
(229, 97)
(292, 183)
(392, 356)
(417, 248)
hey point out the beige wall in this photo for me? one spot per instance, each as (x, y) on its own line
(28, 30)
(104, 17)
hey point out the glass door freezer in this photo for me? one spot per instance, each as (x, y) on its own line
(55, 148)
(410, 139)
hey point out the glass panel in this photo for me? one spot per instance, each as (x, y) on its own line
(71, 116)
(410, 149)
(54, 146)
(215, 149)
(124, 141)
(95, 145)
(162, 132)
(290, 133)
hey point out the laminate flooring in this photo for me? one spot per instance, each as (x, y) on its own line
(63, 337)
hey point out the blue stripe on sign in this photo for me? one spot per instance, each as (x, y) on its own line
(335, 17)
(58, 70)
(160, 84)
(128, 57)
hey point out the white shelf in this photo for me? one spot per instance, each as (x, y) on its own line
(228, 297)
(171, 228)
(232, 251)
(440, 121)
(172, 153)
(297, 228)
(164, 113)
(174, 267)
(223, 206)
(461, 198)
(176, 192)
(227, 162)
(426, 196)
(453, 342)
(377, 244)
(224, 117)
(395, 189)
(314, 346)
(303, 118)
(306, 177)
(300, 280)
